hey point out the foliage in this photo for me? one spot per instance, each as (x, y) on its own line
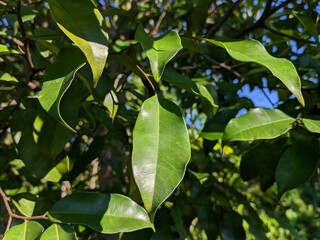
(138, 119)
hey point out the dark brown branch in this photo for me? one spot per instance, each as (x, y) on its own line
(265, 15)
(215, 28)
(2, 3)
(24, 35)
(12, 215)
(288, 36)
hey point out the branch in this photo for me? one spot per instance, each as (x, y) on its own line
(2, 3)
(24, 35)
(265, 15)
(12, 215)
(288, 36)
(161, 17)
(215, 28)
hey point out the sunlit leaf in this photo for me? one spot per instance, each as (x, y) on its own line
(5, 50)
(258, 124)
(57, 80)
(84, 25)
(251, 50)
(29, 230)
(161, 151)
(6, 77)
(313, 125)
(297, 164)
(59, 232)
(160, 50)
(105, 213)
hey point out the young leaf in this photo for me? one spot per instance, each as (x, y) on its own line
(25, 231)
(313, 125)
(160, 50)
(161, 151)
(297, 164)
(59, 232)
(57, 80)
(251, 50)
(105, 213)
(83, 24)
(6, 77)
(258, 124)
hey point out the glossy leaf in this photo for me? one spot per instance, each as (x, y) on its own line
(83, 24)
(160, 50)
(251, 50)
(297, 164)
(59, 232)
(25, 231)
(161, 151)
(258, 123)
(105, 213)
(313, 125)
(57, 80)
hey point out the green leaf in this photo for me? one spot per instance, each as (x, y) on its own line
(297, 164)
(231, 227)
(161, 151)
(160, 50)
(262, 159)
(258, 123)
(5, 50)
(105, 213)
(251, 50)
(25, 231)
(59, 232)
(6, 77)
(40, 153)
(57, 80)
(307, 23)
(84, 25)
(180, 81)
(313, 125)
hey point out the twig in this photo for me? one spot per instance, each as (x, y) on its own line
(265, 15)
(12, 215)
(215, 28)
(2, 3)
(146, 77)
(288, 36)
(24, 35)
(161, 17)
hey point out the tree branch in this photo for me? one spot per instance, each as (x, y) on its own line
(215, 28)
(288, 36)
(24, 36)
(265, 15)
(12, 215)
(161, 17)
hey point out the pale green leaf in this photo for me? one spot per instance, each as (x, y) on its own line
(258, 124)
(57, 80)
(84, 25)
(313, 125)
(6, 77)
(161, 151)
(297, 164)
(25, 231)
(160, 50)
(111, 103)
(251, 50)
(105, 213)
(5, 50)
(59, 232)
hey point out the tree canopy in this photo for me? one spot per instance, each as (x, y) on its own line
(189, 119)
